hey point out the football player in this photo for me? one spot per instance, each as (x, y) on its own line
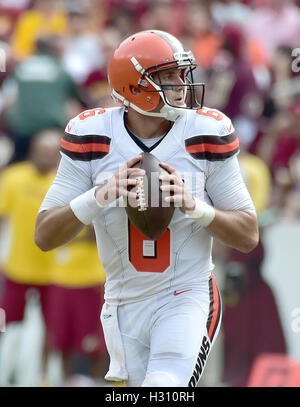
(162, 308)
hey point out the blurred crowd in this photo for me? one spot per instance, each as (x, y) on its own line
(56, 53)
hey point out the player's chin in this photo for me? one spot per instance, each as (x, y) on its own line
(179, 103)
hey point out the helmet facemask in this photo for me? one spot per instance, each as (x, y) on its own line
(193, 92)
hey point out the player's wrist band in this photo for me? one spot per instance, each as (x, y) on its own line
(203, 213)
(85, 206)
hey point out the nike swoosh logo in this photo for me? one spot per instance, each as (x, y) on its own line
(180, 292)
(106, 316)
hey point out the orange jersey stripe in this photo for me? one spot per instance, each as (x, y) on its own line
(85, 148)
(213, 148)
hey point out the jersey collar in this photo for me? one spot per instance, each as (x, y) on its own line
(129, 145)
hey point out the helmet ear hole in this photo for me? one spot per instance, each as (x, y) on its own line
(134, 90)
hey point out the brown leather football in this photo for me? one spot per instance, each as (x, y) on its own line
(150, 214)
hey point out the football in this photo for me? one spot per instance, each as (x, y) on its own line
(149, 213)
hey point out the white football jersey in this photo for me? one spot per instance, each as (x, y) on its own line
(201, 143)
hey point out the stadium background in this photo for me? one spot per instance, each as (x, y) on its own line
(247, 52)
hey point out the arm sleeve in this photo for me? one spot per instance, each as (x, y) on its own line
(226, 188)
(71, 181)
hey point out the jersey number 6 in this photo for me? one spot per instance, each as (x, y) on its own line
(214, 114)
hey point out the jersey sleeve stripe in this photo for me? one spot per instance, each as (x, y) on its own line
(214, 157)
(212, 148)
(92, 155)
(215, 140)
(86, 139)
(85, 148)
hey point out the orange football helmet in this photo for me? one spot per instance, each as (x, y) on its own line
(133, 64)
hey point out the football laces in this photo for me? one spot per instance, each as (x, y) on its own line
(141, 194)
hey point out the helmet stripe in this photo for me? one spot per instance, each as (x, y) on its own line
(173, 42)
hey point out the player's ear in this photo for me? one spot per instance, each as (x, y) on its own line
(134, 90)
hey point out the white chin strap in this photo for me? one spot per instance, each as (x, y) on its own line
(167, 112)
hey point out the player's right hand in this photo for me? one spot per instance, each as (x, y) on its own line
(118, 184)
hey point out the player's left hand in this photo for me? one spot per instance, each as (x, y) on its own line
(181, 197)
